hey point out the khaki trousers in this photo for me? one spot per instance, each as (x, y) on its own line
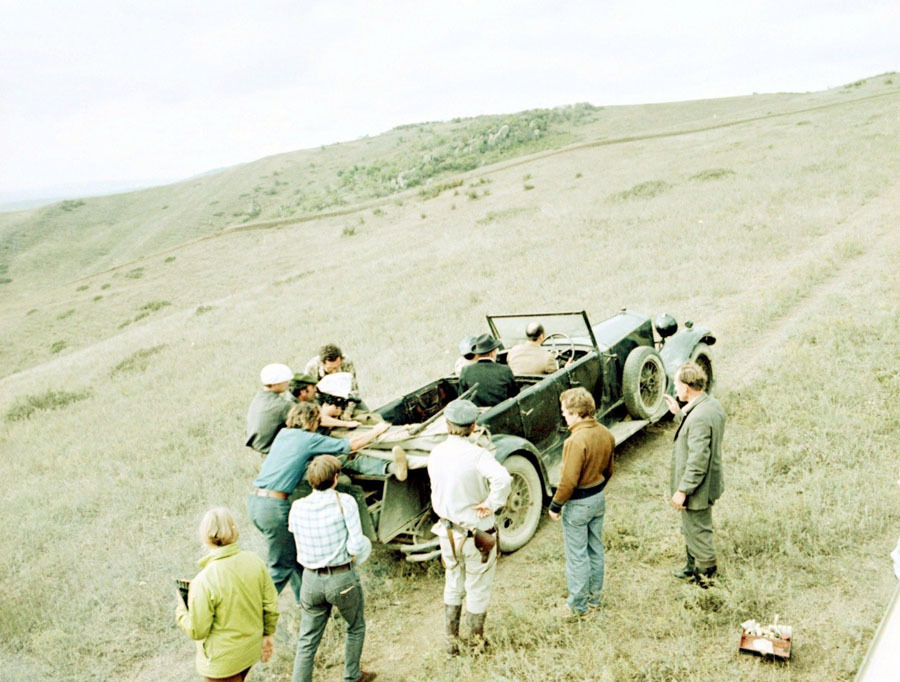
(467, 578)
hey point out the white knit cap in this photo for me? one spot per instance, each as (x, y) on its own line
(275, 374)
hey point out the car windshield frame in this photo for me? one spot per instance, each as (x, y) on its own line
(510, 329)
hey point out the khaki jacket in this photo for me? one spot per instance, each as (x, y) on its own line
(697, 457)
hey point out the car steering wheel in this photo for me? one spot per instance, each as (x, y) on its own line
(558, 353)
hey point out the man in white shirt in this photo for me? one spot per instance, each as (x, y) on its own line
(467, 486)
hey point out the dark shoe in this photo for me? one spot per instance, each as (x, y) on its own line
(451, 625)
(401, 465)
(704, 576)
(476, 632)
(366, 676)
(686, 573)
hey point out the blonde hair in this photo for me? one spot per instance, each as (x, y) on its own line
(217, 528)
(303, 416)
(322, 470)
(692, 374)
(459, 429)
(578, 401)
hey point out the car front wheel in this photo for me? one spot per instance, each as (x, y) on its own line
(518, 519)
(644, 382)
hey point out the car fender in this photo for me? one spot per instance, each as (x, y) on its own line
(678, 348)
(508, 445)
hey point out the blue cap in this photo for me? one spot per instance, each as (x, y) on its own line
(461, 412)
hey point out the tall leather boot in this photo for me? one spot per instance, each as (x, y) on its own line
(704, 577)
(476, 632)
(686, 573)
(451, 624)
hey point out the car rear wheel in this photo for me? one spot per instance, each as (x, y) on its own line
(644, 382)
(703, 357)
(518, 519)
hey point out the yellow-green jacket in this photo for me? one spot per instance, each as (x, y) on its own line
(232, 603)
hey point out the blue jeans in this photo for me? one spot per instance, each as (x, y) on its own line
(320, 592)
(583, 535)
(270, 516)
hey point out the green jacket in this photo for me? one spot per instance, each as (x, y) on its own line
(697, 458)
(232, 603)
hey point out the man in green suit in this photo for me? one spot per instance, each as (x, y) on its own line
(696, 474)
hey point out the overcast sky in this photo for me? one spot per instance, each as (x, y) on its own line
(119, 91)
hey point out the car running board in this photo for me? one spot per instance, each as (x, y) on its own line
(625, 430)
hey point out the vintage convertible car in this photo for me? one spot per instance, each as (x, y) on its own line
(620, 361)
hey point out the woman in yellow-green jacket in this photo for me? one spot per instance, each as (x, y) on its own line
(232, 606)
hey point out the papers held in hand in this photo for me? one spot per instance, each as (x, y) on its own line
(183, 587)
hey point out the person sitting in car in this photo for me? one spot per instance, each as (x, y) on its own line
(530, 357)
(495, 381)
(466, 356)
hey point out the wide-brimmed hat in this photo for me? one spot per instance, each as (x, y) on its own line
(275, 373)
(461, 412)
(337, 384)
(484, 344)
(465, 347)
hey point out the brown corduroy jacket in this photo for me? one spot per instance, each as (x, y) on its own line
(587, 459)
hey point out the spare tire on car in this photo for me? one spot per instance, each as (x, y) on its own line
(644, 382)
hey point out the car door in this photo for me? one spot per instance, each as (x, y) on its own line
(539, 407)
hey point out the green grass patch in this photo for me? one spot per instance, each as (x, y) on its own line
(70, 204)
(153, 306)
(203, 309)
(712, 174)
(58, 347)
(643, 191)
(67, 313)
(137, 361)
(83, 287)
(136, 273)
(169, 259)
(25, 407)
(497, 216)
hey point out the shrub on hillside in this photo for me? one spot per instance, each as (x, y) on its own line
(58, 346)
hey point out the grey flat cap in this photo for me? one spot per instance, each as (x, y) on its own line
(461, 412)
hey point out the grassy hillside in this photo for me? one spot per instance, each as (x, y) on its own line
(131, 350)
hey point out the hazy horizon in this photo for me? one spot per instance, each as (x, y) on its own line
(135, 95)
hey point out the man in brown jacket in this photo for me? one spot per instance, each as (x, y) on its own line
(587, 465)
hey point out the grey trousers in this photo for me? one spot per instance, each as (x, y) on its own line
(319, 593)
(697, 528)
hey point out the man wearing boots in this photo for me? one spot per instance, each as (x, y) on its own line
(696, 473)
(467, 486)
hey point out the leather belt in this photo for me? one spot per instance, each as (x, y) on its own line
(277, 494)
(332, 569)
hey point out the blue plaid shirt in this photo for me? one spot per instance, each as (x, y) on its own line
(327, 532)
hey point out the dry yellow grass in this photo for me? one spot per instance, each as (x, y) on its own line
(791, 258)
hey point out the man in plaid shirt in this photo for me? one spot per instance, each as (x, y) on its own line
(330, 543)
